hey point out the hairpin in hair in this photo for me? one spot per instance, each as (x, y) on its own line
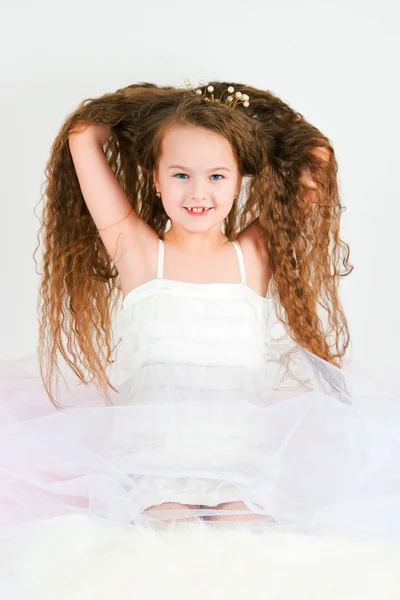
(231, 100)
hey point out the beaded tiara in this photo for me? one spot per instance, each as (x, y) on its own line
(230, 100)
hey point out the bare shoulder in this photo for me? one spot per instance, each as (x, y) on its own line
(256, 257)
(251, 240)
(136, 255)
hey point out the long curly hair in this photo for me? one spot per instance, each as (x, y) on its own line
(292, 190)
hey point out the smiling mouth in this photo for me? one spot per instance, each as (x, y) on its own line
(197, 209)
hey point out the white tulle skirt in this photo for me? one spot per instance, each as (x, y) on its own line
(316, 454)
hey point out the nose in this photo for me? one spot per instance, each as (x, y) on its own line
(198, 191)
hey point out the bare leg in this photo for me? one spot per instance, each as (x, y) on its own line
(173, 506)
(235, 506)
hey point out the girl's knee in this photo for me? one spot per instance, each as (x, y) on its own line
(235, 506)
(157, 510)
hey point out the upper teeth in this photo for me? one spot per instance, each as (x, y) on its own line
(198, 209)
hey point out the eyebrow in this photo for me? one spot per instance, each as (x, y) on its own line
(187, 168)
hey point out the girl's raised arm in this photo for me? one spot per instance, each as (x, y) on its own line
(107, 203)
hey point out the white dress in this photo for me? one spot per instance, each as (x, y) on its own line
(210, 411)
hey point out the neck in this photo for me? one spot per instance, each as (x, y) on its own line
(201, 243)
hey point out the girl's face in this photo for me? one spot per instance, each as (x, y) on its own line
(197, 168)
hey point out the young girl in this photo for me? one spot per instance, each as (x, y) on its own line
(198, 206)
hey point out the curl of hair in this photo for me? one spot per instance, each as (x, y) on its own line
(292, 192)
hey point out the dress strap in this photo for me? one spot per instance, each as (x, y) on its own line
(160, 266)
(241, 261)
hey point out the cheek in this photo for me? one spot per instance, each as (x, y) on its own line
(228, 196)
(173, 188)
(171, 200)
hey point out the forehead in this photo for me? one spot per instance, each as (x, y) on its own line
(197, 144)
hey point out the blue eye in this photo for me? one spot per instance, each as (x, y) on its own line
(215, 175)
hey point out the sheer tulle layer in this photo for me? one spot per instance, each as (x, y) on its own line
(304, 453)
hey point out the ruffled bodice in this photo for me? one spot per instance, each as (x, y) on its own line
(190, 335)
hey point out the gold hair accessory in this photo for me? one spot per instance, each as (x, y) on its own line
(231, 100)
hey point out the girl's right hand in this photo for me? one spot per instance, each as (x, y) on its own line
(98, 132)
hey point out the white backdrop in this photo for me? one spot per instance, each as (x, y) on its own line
(335, 62)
